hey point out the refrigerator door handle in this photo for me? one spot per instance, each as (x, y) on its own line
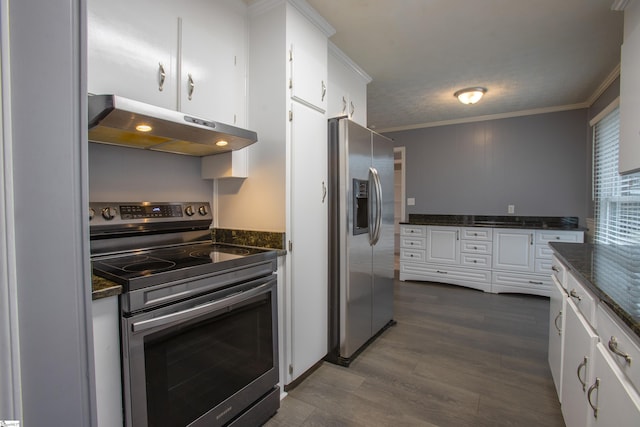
(374, 233)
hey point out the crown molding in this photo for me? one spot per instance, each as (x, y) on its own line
(342, 57)
(613, 75)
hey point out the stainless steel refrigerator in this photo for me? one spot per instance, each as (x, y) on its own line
(361, 252)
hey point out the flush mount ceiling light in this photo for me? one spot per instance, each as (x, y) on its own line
(470, 95)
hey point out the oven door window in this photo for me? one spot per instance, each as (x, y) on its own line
(194, 367)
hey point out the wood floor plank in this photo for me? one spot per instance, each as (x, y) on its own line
(457, 357)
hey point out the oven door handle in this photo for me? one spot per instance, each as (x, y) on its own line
(191, 313)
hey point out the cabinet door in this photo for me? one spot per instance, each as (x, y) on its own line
(308, 60)
(308, 284)
(347, 91)
(629, 159)
(513, 250)
(577, 371)
(212, 44)
(557, 303)
(127, 44)
(443, 245)
(616, 403)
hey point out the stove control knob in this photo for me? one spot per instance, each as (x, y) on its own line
(92, 213)
(109, 213)
(189, 210)
(203, 210)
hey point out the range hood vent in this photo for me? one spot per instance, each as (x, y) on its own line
(116, 120)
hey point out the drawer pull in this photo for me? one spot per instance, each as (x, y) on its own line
(441, 272)
(580, 366)
(533, 282)
(475, 234)
(475, 247)
(555, 322)
(475, 261)
(591, 389)
(554, 268)
(613, 346)
(574, 294)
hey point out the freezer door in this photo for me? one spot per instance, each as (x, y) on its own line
(356, 297)
(383, 250)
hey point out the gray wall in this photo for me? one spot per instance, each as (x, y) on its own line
(537, 163)
(130, 174)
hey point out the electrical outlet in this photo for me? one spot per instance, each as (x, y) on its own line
(411, 201)
(511, 209)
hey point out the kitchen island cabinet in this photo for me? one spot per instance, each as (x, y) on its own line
(486, 258)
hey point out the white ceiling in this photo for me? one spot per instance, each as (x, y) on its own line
(532, 55)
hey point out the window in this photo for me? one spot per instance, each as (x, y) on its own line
(616, 197)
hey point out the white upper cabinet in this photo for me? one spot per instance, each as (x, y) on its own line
(308, 61)
(187, 56)
(347, 91)
(629, 159)
(212, 61)
(132, 50)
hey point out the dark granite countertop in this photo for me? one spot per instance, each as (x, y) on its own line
(103, 288)
(611, 272)
(512, 221)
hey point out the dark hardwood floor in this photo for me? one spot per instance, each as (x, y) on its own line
(457, 357)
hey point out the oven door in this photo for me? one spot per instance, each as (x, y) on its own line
(203, 361)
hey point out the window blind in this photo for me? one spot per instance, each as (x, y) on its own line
(616, 198)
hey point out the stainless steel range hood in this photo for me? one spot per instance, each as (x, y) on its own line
(120, 121)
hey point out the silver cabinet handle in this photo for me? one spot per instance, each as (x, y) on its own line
(457, 234)
(344, 105)
(613, 346)
(555, 322)
(324, 90)
(574, 294)
(554, 268)
(353, 109)
(191, 86)
(580, 366)
(324, 192)
(161, 76)
(533, 282)
(531, 239)
(591, 389)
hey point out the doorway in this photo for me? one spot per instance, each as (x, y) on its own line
(399, 195)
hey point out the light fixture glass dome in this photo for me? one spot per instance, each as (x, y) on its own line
(470, 95)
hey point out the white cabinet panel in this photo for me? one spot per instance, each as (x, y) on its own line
(476, 247)
(612, 401)
(513, 250)
(443, 245)
(347, 91)
(308, 61)
(577, 374)
(413, 230)
(309, 281)
(583, 299)
(475, 260)
(412, 255)
(476, 233)
(629, 159)
(412, 242)
(557, 306)
(620, 344)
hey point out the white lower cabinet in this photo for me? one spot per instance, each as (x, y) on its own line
(490, 259)
(557, 307)
(577, 374)
(106, 348)
(612, 400)
(595, 353)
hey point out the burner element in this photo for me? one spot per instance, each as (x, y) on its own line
(148, 267)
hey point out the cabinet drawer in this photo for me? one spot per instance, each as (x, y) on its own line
(582, 298)
(475, 233)
(413, 230)
(543, 265)
(475, 247)
(559, 271)
(446, 274)
(559, 236)
(412, 255)
(413, 242)
(519, 280)
(614, 336)
(544, 252)
(475, 260)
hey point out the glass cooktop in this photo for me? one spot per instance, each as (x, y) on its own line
(188, 260)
